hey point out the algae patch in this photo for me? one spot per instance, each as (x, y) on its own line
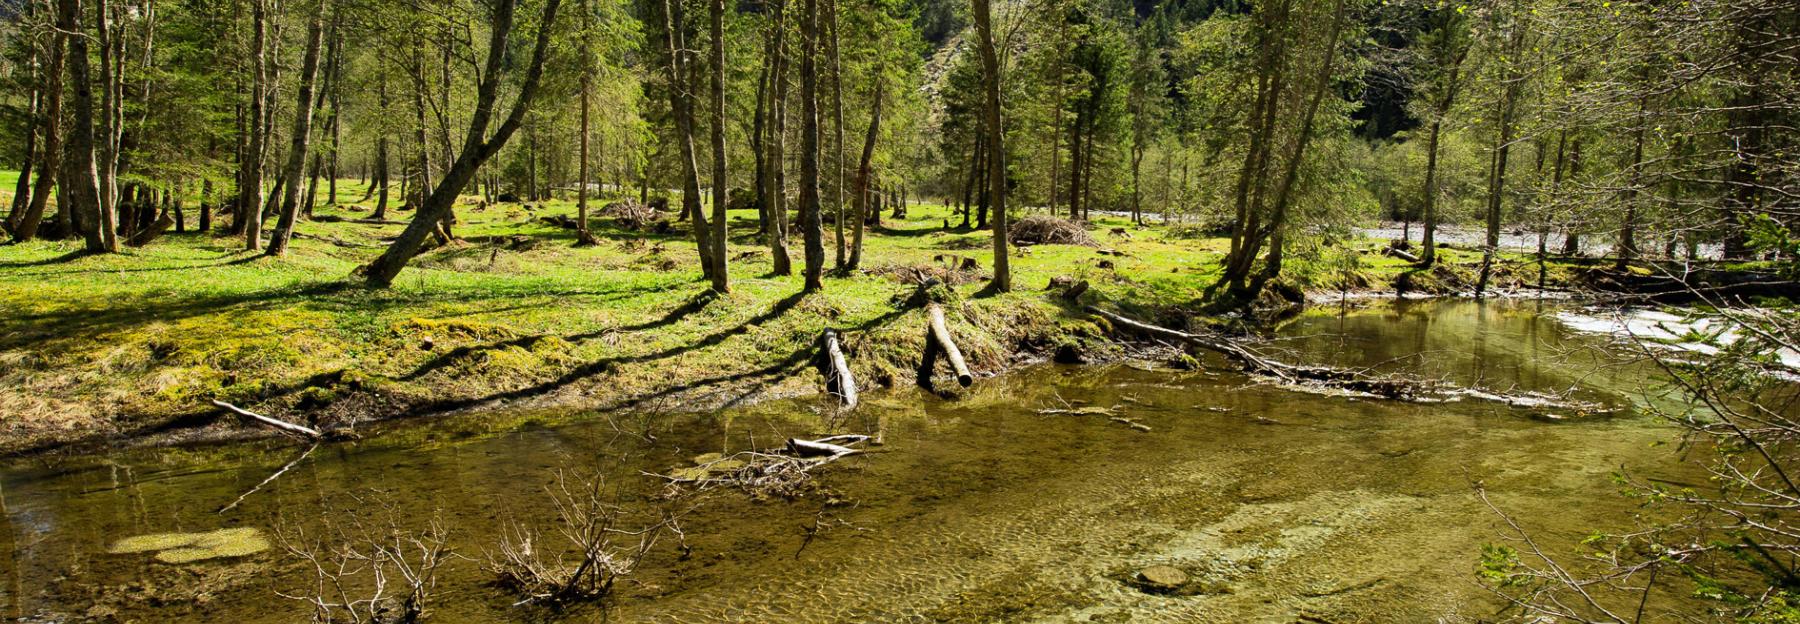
(190, 547)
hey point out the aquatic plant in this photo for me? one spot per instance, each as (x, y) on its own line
(190, 547)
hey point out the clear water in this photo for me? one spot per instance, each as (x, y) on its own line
(1281, 504)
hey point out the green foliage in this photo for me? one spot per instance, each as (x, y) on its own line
(1500, 567)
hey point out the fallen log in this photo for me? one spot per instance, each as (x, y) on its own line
(836, 369)
(938, 343)
(280, 425)
(1393, 388)
(816, 448)
(150, 233)
(1402, 254)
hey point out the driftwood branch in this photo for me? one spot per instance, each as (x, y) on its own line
(280, 425)
(1393, 388)
(938, 343)
(817, 448)
(836, 369)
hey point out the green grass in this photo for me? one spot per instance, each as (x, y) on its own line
(133, 342)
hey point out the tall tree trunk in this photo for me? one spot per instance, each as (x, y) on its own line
(206, 205)
(721, 196)
(583, 237)
(682, 104)
(51, 157)
(759, 126)
(1572, 239)
(777, 158)
(479, 146)
(111, 39)
(1515, 77)
(837, 131)
(810, 223)
(1284, 195)
(302, 135)
(990, 71)
(1251, 186)
(251, 174)
(1628, 245)
(973, 184)
(863, 171)
(80, 194)
(22, 187)
(1428, 237)
(381, 157)
(337, 105)
(1075, 162)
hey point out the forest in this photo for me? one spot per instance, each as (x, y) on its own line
(619, 292)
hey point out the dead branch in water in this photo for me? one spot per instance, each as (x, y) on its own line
(596, 551)
(1393, 388)
(271, 479)
(784, 472)
(356, 554)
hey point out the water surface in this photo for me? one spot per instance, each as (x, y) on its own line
(1280, 504)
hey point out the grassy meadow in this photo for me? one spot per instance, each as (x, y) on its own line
(101, 348)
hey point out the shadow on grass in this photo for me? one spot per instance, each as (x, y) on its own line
(346, 296)
(607, 364)
(767, 374)
(694, 304)
(73, 255)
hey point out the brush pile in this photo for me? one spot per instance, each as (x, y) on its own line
(1046, 230)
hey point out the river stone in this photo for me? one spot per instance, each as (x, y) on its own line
(1162, 578)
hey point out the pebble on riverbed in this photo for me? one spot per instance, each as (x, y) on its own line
(1161, 579)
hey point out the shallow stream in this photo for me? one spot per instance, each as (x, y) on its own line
(1280, 505)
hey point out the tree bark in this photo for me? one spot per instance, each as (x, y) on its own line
(837, 131)
(776, 160)
(863, 172)
(478, 146)
(1515, 78)
(50, 159)
(721, 196)
(22, 187)
(682, 104)
(80, 194)
(810, 226)
(990, 70)
(302, 134)
(250, 176)
(583, 237)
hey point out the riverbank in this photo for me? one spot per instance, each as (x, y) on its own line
(105, 350)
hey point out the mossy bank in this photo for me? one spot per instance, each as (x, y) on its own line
(107, 349)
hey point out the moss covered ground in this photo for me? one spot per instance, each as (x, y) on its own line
(113, 347)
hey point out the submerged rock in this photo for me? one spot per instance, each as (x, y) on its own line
(190, 547)
(1161, 578)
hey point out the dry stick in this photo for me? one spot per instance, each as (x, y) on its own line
(837, 370)
(282, 425)
(272, 478)
(939, 335)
